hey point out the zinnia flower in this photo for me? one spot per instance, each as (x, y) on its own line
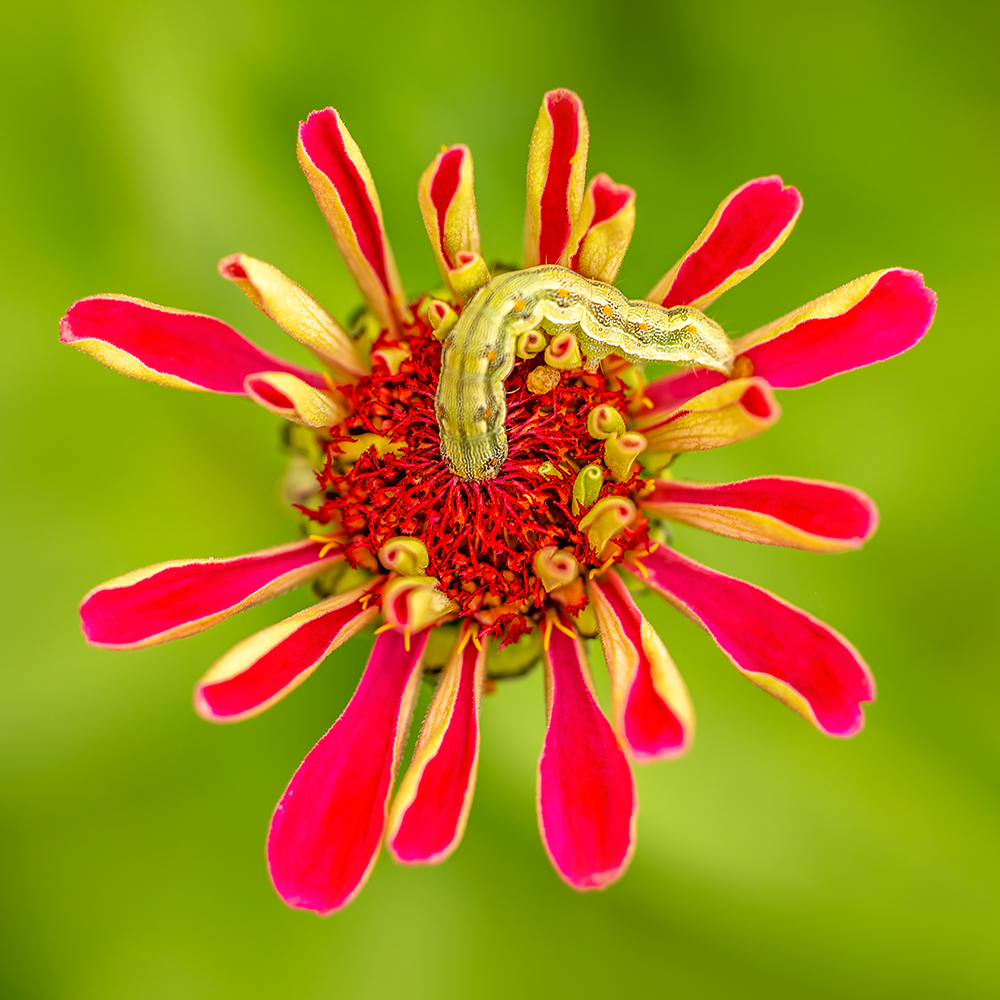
(471, 581)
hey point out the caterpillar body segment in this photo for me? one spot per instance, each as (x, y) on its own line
(480, 350)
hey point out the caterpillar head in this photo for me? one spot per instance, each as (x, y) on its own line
(684, 336)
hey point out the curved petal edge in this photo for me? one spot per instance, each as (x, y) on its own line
(587, 805)
(327, 828)
(773, 510)
(800, 660)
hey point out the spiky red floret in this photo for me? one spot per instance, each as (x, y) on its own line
(481, 537)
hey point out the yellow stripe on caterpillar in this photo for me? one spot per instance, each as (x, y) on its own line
(480, 350)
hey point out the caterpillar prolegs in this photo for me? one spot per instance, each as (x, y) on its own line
(481, 348)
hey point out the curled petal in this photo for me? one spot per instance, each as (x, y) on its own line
(606, 519)
(441, 317)
(343, 186)
(732, 411)
(404, 555)
(746, 229)
(432, 805)
(791, 655)
(557, 166)
(586, 797)
(290, 397)
(563, 352)
(295, 311)
(774, 510)
(327, 828)
(263, 668)
(414, 602)
(652, 709)
(173, 599)
(621, 452)
(604, 421)
(183, 350)
(469, 274)
(867, 320)
(448, 204)
(555, 568)
(603, 229)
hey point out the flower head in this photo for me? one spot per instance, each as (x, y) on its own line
(485, 478)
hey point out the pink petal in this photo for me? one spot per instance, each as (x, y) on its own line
(870, 319)
(326, 830)
(448, 204)
(603, 229)
(745, 231)
(675, 389)
(289, 397)
(180, 349)
(432, 805)
(174, 599)
(788, 653)
(345, 191)
(774, 510)
(586, 797)
(733, 411)
(263, 668)
(653, 712)
(557, 166)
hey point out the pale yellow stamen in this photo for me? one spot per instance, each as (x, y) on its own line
(562, 628)
(603, 568)
(323, 538)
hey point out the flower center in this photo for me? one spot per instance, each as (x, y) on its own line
(384, 477)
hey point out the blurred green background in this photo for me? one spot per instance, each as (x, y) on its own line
(141, 142)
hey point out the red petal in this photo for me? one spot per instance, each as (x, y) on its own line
(448, 205)
(326, 830)
(871, 319)
(181, 349)
(733, 411)
(790, 654)
(557, 166)
(746, 229)
(653, 712)
(343, 186)
(174, 599)
(675, 389)
(432, 805)
(775, 510)
(262, 669)
(603, 229)
(586, 797)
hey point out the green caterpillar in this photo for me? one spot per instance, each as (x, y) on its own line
(480, 350)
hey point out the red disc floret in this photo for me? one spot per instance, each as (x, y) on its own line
(481, 537)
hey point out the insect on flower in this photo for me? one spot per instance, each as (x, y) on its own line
(479, 352)
(484, 476)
